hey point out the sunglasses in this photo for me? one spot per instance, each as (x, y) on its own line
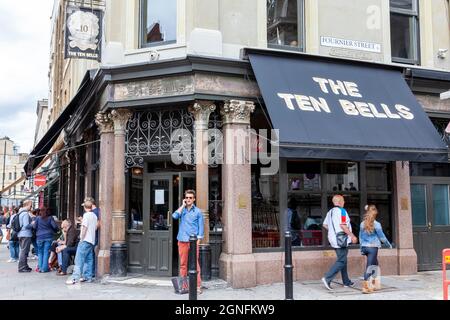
(189, 197)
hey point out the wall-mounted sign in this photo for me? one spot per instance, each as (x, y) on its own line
(83, 34)
(350, 44)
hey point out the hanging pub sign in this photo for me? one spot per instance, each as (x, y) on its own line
(83, 33)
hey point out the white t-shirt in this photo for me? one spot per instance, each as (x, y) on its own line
(90, 222)
(336, 217)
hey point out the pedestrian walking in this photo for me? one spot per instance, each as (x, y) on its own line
(24, 235)
(340, 235)
(191, 223)
(85, 249)
(11, 236)
(370, 237)
(46, 228)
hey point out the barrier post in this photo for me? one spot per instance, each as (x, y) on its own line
(192, 267)
(445, 281)
(288, 279)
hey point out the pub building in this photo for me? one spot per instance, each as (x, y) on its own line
(345, 127)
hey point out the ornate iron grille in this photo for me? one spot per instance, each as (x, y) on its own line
(152, 134)
(215, 139)
(440, 125)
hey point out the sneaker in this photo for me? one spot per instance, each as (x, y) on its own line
(10, 260)
(326, 284)
(86, 280)
(350, 285)
(71, 281)
(25, 270)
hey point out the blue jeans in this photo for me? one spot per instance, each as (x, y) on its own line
(66, 254)
(371, 253)
(43, 249)
(339, 265)
(83, 261)
(14, 249)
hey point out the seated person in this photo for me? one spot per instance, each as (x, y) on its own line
(69, 248)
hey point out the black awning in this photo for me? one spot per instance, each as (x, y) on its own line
(337, 109)
(47, 141)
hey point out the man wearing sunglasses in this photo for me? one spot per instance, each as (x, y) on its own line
(191, 222)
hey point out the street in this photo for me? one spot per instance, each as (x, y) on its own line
(48, 286)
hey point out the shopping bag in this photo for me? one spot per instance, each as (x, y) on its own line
(180, 285)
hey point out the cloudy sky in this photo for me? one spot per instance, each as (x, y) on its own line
(24, 59)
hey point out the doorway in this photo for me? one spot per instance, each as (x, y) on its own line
(162, 195)
(430, 199)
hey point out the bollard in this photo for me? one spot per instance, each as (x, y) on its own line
(445, 281)
(193, 267)
(288, 267)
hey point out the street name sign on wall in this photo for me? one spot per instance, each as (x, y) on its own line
(83, 34)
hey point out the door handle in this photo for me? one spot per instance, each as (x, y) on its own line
(429, 225)
(168, 219)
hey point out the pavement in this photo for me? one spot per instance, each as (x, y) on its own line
(43, 286)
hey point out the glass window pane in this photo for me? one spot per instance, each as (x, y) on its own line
(384, 205)
(402, 33)
(440, 205)
(352, 205)
(378, 177)
(303, 176)
(159, 204)
(342, 176)
(282, 23)
(402, 4)
(136, 193)
(419, 204)
(429, 169)
(265, 210)
(307, 230)
(160, 21)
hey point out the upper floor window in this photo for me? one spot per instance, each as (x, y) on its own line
(158, 22)
(405, 31)
(285, 24)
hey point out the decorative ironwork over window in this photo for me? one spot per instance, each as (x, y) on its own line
(151, 134)
(440, 125)
(215, 140)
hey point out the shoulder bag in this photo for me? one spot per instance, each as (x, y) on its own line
(341, 237)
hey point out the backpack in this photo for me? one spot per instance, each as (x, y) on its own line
(295, 221)
(15, 224)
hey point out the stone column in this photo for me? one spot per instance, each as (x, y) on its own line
(72, 183)
(201, 111)
(237, 263)
(106, 127)
(407, 258)
(118, 261)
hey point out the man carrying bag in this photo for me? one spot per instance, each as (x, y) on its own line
(340, 235)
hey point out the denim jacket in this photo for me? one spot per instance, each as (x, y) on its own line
(373, 239)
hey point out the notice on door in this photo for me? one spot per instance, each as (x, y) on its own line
(159, 196)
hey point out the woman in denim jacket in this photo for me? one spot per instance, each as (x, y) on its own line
(371, 236)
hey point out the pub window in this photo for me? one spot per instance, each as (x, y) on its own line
(135, 218)
(265, 209)
(404, 31)
(304, 206)
(158, 22)
(285, 24)
(379, 193)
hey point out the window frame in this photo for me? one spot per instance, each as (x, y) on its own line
(362, 193)
(143, 5)
(300, 30)
(415, 36)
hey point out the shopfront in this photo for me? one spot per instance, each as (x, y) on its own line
(345, 128)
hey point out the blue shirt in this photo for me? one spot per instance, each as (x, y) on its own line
(373, 239)
(25, 224)
(191, 222)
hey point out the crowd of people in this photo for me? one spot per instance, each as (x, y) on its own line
(34, 233)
